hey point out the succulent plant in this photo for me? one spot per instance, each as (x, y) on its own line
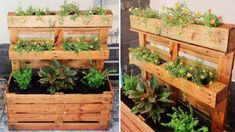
(58, 77)
(150, 98)
(23, 77)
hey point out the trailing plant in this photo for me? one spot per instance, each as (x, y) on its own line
(31, 11)
(145, 54)
(130, 83)
(150, 98)
(57, 77)
(27, 46)
(23, 77)
(197, 73)
(69, 9)
(184, 122)
(95, 78)
(81, 45)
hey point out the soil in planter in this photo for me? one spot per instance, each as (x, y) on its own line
(156, 127)
(37, 88)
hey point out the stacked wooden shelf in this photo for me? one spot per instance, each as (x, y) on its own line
(60, 111)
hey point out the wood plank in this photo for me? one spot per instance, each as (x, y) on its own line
(210, 95)
(59, 126)
(215, 38)
(129, 124)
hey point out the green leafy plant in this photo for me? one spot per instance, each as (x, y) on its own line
(197, 72)
(146, 12)
(95, 78)
(183, 122)
(81, 45)
(130, 83)
(150, 98)
(211, 20)
(145, 54)
(69, 9)
(58, 77)
(31, 11)
(27, 46)
(23, 77)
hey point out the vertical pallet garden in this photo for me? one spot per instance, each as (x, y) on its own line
(193, 43)
(61, 111)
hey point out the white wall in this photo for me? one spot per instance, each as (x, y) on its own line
(12, 5)
(224, 8)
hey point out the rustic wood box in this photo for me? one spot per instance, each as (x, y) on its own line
(219, 38)
(59, 111)
(54, 21)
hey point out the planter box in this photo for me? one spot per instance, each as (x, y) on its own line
(210, 95)
(219, 38)
(131, 122)
(101, 54)
(53, 21)
(59, 111)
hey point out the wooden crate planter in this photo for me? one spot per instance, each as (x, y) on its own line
(53, 21)
(131, 122)
(219, 38)
(59, 111)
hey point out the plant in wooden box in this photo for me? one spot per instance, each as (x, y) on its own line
(23, 77)
(27, 46)
(130, 83)
(150, 98)
(184, 122)
(197, 73)
(58, 77)
(81, 44)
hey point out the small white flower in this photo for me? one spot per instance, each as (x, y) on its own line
(99, 6)
(96, 39)
(136, 8)
(90, 11)
(130, 9)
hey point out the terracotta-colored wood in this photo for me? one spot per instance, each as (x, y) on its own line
(36, 111)
(54, 21)
(218, 38)
(131, 122)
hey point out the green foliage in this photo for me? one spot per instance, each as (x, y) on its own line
(95, 78)
(145, 54)
(150, 98)
(146, 13)
(130, 83)
(196, 73)
(57, 76)
(23, 77)
(183, 122)
(69, 9)
(211, 20)
(81, 44)
(31, 11)
(27, 46)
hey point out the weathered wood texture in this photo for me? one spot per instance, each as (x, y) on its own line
(131, 122)
(55, 21)
(59, 111)
(218, 38)
(211, 99)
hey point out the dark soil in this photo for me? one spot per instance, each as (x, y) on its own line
(37, 88)
(157, 127)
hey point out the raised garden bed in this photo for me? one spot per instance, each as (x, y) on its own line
(81, 109)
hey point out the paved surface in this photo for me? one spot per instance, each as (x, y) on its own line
(114, 125)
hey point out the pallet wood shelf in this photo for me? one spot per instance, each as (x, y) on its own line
(131, 122)
(210, 95)
(49, 21)
(218, 38)
(59, 111)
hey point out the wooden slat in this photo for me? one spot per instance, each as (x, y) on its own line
(137, 122)
(59, 126)
(210, 95)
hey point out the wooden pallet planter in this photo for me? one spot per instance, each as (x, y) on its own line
(59, 111)
(219, 38)
(131, 122)
(54, 21)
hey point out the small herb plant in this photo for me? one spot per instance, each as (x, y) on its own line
(146, 12)
(31, 11)
(130, 83)
(196, 73)
(150, 98)
(95, 78)
(183, 122)
(211, 20)
(23, 77)
(145, 54)
(58, 77)
(69, 9)
(27, 46)
(81, 44)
